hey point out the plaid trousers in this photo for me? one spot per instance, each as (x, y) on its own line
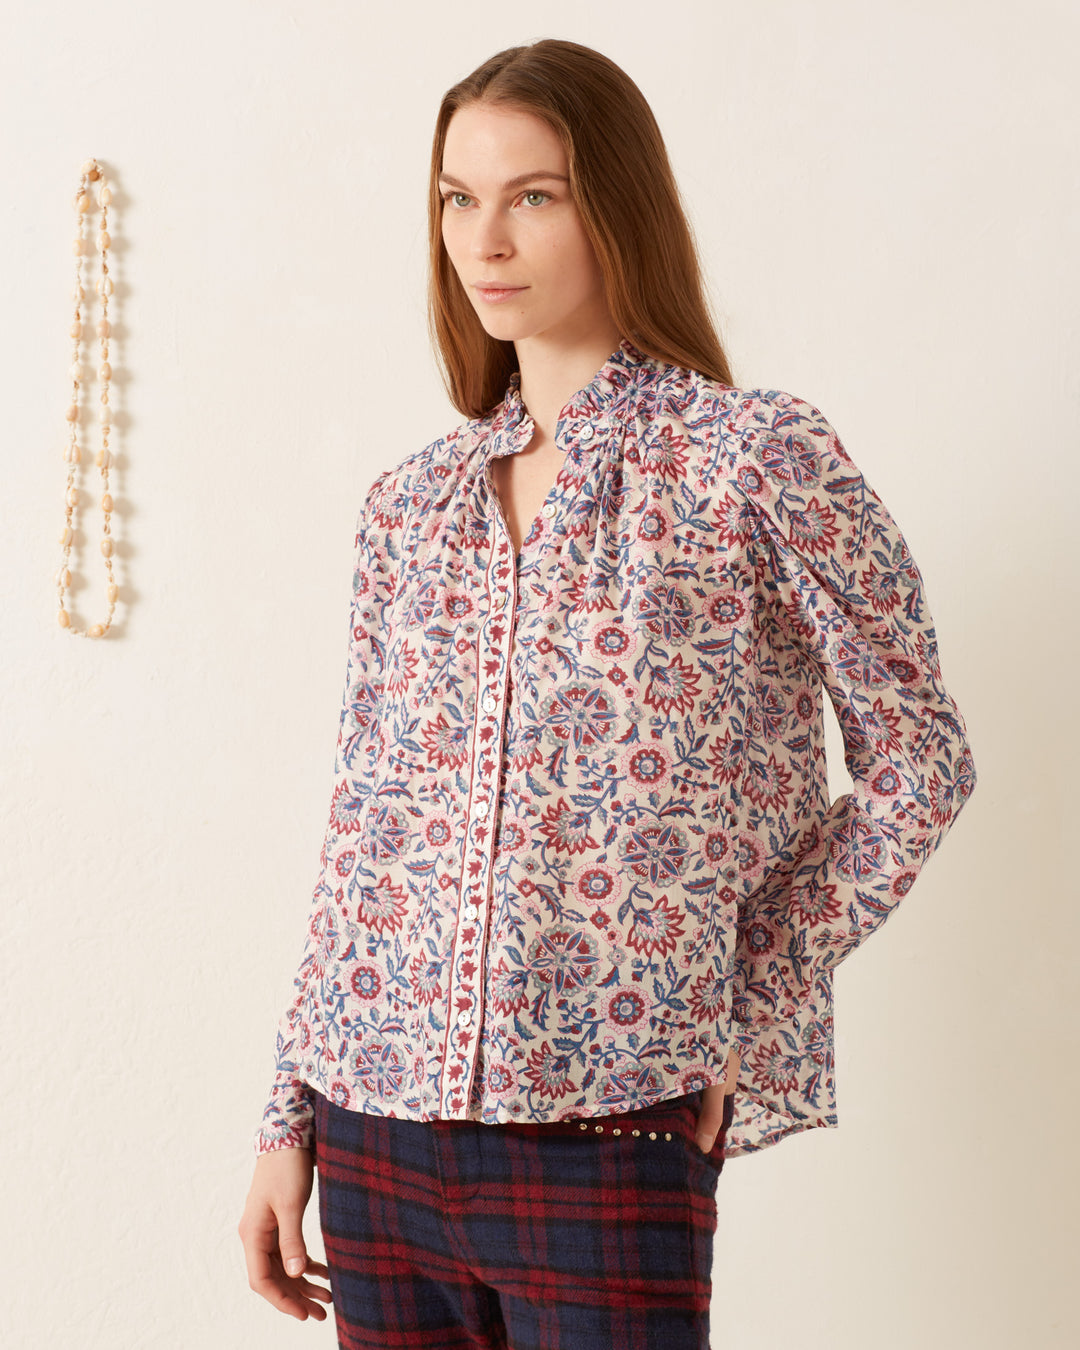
(592, 1234)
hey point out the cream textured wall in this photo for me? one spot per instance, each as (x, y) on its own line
(886, 201)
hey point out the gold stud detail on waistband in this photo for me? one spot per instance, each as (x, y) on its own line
(584, 1125)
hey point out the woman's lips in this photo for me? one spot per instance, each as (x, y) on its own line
(495, 295)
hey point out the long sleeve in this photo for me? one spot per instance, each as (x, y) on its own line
(288, 1119)
(843, 603)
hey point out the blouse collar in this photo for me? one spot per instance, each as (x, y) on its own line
(514, 425)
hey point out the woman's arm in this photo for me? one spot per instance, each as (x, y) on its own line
(289, 1114)
(843, 599)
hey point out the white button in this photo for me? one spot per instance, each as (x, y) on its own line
(586, 432)
(499, 599)
(488, 702)
(482, 809)
(470, 912)
(464, 1018)
(548, 509)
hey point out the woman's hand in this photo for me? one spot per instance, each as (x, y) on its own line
(271, 1230)
(712, 1104)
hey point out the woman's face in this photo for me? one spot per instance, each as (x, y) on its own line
(528, 234)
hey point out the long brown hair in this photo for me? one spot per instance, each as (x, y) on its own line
(623, 186)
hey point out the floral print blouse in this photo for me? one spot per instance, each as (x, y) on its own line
(580, 840)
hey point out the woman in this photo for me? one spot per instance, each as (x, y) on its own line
(582, 892)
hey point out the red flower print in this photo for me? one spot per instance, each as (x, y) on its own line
(797, 621)
(881, 727)
(549, 1073)
(458, 605)
(367, 982)
(726, 609)
(590, 593)
(906, 672)
(580, 786)
(527, 752)
(735, 523)
(814, 530)
(654, 527)
(761, 939)
(656, 930)
(565, 829)
(424, 982)
(716, 846)
(597, 885)
(725, 757)
(941, 803)
(345, 863)
(706, 996)
(339, 1093)
(509, 993)
(885, 785)
(673, 688)
(363, 583)
(381, 908)
(751, 854)
(446, 745)
(401, 668)
(648, 767)
(347, 806)
(902, 883)
(611, 642)
(664, 454)
(805, 704)
(768, 784)
(626, 1008)
(771, 1069)
(812, 904)
(500, 1078)
(880, 589)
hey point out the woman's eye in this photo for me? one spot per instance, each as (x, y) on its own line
(450, 196)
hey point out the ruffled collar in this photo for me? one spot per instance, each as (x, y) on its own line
(514, 425)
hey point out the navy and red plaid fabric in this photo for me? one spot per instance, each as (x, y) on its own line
(455, 1235)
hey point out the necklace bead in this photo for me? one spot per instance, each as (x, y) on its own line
(81, 247)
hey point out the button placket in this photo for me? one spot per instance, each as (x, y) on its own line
(465, 992)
